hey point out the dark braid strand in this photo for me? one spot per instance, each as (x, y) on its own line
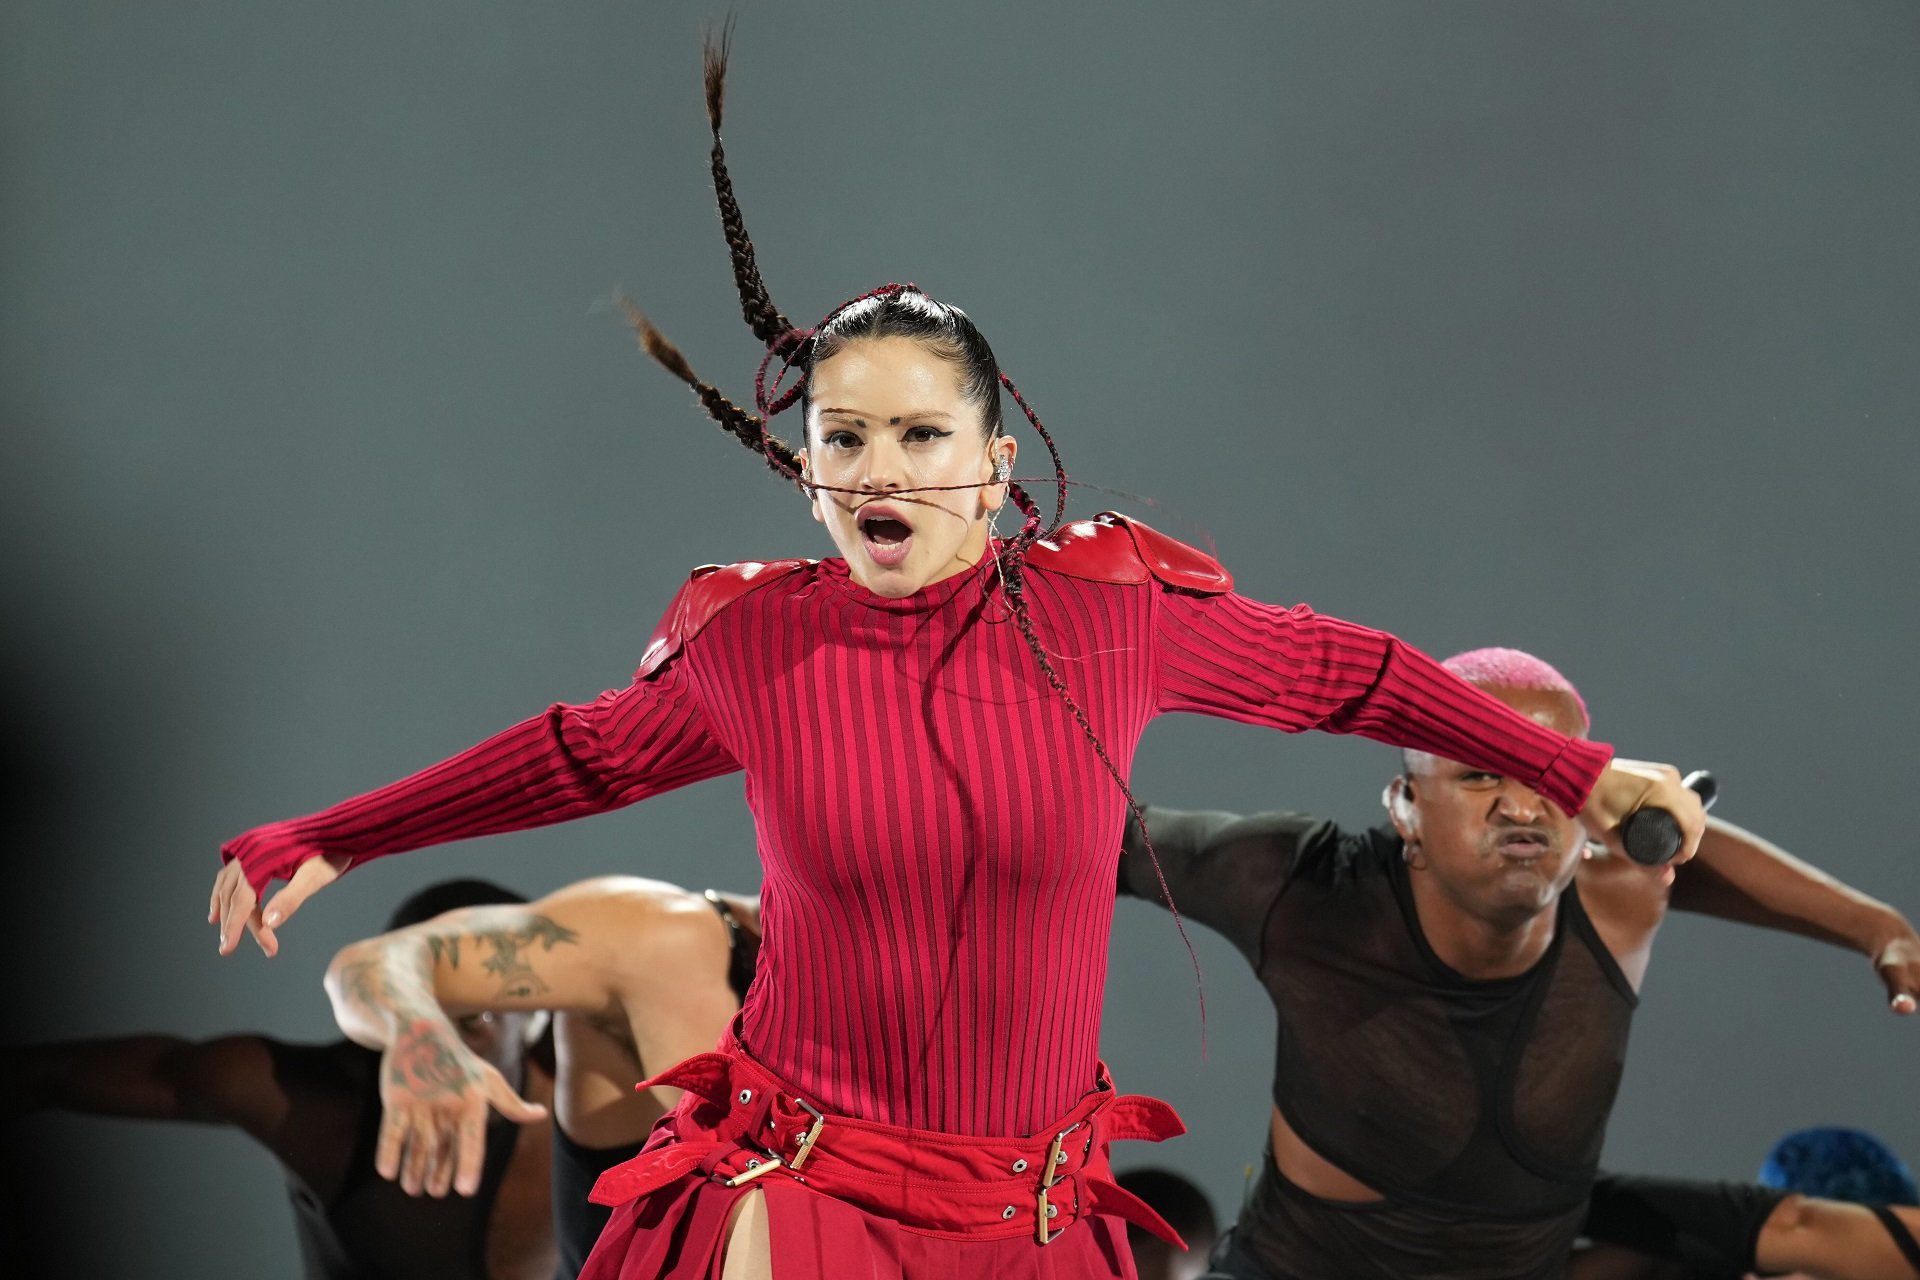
(749, 429)
(756, 304)
(1013, 578)
(1053, 452)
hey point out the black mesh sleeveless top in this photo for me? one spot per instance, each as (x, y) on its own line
(1477, 1108)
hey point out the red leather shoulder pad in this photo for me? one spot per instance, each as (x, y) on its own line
(1114, 548)
(711, 588)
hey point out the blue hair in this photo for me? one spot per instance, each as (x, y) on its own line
(1839, 1164)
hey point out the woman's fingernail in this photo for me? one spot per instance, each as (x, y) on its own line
(273, 917)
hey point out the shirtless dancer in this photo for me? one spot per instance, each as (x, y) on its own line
(1471, 950)
(640, 974)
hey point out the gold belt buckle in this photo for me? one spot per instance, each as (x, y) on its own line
(758, 1169)
(811, 1136)
(1044, 1214)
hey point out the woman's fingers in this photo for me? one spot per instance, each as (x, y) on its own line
(313, 875)
(237, 904)
(261, 934)
(235, 907)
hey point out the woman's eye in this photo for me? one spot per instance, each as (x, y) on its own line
(923, 435)
(1480, 779)
(843, 440)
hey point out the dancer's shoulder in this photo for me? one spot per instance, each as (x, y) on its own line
(1117, 548)
(709, 590)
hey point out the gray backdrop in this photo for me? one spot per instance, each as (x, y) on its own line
(1585, 329)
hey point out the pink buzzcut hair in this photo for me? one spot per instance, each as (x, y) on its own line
(1513, 669)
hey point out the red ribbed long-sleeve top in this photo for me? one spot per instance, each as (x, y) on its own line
(938, 837)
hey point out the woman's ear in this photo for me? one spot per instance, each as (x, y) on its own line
(1002, 450)
(806, 487)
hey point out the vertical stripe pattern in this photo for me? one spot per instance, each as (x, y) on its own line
(938, 837)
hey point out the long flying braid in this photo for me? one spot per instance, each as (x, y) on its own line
(756, 304)
(749, 429)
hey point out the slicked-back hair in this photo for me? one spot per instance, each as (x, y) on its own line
(941, 328)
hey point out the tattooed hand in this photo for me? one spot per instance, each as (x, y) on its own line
(434, 1093)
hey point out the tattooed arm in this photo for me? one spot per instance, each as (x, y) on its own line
(621, 951)
(434, 1090)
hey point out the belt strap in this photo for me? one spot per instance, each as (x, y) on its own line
(739, 1122)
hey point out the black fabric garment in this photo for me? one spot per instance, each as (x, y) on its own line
(577, 1222)
(1476, 1108)
(353, 1224)
(743, 946)
(1229, 1261)
(1902, 1238)
(1710, 1227)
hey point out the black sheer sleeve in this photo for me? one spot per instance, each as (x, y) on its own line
(1224, 870)
(1711, 1227)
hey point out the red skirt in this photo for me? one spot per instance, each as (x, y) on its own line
(848, 1198)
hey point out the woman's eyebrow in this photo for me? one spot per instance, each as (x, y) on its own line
(861, 420)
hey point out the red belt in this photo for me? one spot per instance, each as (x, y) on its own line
(740, 1123)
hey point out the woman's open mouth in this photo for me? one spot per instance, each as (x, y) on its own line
(886, 537)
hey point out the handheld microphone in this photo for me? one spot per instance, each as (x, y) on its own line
(1651, 836)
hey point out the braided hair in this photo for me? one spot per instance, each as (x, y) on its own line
(890, 311)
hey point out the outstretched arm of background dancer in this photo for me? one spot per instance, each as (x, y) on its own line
(230, 1080)
(1739, 876)
(600, 949)
(1819, 1239)
(1221, 869)
(1834, 1240)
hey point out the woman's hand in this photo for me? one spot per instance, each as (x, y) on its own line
(234, 903)
(1628, 785)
